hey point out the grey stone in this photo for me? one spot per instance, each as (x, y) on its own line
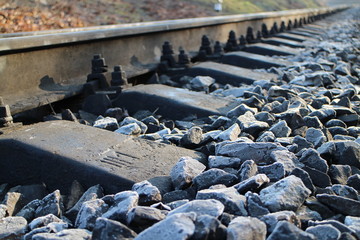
(210, 207)
(305, 178)
(252, 184)
(3, 209)
(240, 110)
(338, 225)
(338, 137)
(201, 83)
(319, 179)
(220, 121)
(287, 231)
(212, 177)
(276, 91)
(90, 194)
(107, 123)
(76, 191)
(163, 183)
(311, 158)
(354, 131)
(286, 194)
(44, 221)
(224, 162)
(354, 224)
(206, 227)
(317, 206)
(12, 227)
(281, 129)
(148, 193)
(106, 229)
(340, 204)
(287, 158)
(274, 172)
(259, 152)
(255, 207)
(192, 138)
(324, 115)
(315, 136)
(182, 224)
(117, 113)
(140, 218)
(67, 234)
(338, 130)
(335, 123)
(271, 220)
(13, 203)
(28, 211)
(342, 68)
(124, 202)
(266, 136)
(89, 212)
(129, 129)
(234, 202)
(341, 152)
(229, 134)
(247, 170)
(177, 203)
(265, 117)
(185, 170)
(129, 120)
(302, 143)
(175, 196)
(305, 214)
(249, 124)
(345, 191)
(246, 228)
(339, 174)
(313, 122)
(51, 204)
(354, 181)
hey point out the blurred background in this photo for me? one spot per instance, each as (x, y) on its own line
(35, 15)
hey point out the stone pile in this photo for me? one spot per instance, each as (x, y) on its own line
(283, 164)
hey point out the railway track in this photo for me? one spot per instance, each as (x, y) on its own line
(262, 110)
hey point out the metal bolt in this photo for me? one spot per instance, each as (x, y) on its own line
(264, 30)
(98, 64)
(206, 45)
(167, 54)
(118, 76)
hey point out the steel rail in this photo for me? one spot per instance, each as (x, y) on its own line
(38, 68)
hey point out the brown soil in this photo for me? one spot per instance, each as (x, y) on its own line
(35, 15)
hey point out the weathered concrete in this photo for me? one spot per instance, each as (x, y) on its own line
(252, 61)
(293, 37)
(175, 103)
(59, 152)
(271, 50)
(306, 34)
(224, 73)
(280, 41)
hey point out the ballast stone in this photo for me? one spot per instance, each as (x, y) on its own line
(184, 171)
(246, 228)
(182, 224)
(286, 194)
(259, 152)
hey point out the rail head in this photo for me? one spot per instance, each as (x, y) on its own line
(18, 42)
